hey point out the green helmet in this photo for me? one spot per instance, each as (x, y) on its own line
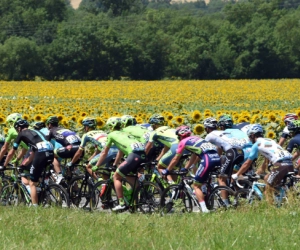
(157, 119)
(128, 120)
(114, 123)
(52, 120)
(12, 118)
(225, 121)
(90, 122)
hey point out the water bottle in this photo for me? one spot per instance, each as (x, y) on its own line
(53, 174)
(142, 178)
(157, 173)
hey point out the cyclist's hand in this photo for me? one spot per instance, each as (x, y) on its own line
(94, 168)
(165, 172)
(183, 170)
(234, 177)
(69, 164)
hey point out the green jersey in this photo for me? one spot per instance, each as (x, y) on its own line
(12, 134)
(97, 137)
(140, 133)
(125, 142)
(164, 135)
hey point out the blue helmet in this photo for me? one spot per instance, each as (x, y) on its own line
(255, 129)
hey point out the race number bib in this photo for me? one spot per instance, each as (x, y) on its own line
(72, 139)
(44, 146)
(207, 147)
(137, 146)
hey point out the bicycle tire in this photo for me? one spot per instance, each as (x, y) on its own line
(175, 199)
(243, 198)
(55, 196)
(148, 197)
(80, 192)
(107, 200)
(215, 201)
(10, 195)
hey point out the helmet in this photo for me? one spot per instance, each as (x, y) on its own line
(21, 123)
(290, 117)
(255, 129)
(114, 122)
(157, 119)
(12, 118)
(294, 126)
(183, 131)
(39, 125)
(210, 122)
(225, 121)
(128, 120)
(52, 120)
(90, 122)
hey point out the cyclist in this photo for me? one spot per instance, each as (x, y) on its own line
(142, 134)
(205, 150)
(41, 126)
(230, 145)
(10, 137)
(128, 145)
(98, 138)
(273, 152)
(286, 133)
(2, 141)
(42, 154)
(226, 122)
(294, 143)
(166, 136)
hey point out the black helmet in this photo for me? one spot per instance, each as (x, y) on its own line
(225, 121)
(52, 120)
(21, 123)
(39, 125)
(90, 122)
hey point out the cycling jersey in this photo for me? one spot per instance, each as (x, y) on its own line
(269, 149)
(97, 137)
(229, 138)
(12, 134)
(140, 133)
(46, 133)
(2, 141)
(164, 135)
(195, 145)
(64, 136)
(285, 133)
(124, 142)
(294, 143)
(34, 140)
(146, 125)
(242, 126)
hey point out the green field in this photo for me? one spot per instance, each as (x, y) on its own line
(261, 227)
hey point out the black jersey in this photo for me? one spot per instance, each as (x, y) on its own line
(34, 140)
(64, 136)
(294, 143)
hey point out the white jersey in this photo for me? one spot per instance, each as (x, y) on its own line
(245, 128)
(231, 138)
(269, 149)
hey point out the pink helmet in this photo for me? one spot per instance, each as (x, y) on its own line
(183, 131)
(290, 117)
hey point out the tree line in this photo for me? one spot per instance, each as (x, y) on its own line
(149, 40)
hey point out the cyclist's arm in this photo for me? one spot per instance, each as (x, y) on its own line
(28, 160)
(174, 161)
(164, 150)
(194, 158)
(296, 155)
(281, 141)
(4, 150)
(9, 156)
(119, 156)
(94, 154)
(102, 156)
(244, 167)
(77, 155)
(21, 154)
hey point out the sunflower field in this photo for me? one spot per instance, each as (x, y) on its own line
(180, 102)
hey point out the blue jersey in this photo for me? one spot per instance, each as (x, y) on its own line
(241, 137)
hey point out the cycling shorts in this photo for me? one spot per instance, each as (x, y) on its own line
(278, 172)
(39, 163)
(232, 157)
(209, 161)
(112, 153)
(131, 163)
(68, 152)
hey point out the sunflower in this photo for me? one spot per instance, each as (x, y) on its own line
(65, 123)
(271, 134)
(2, 119)
(26, 116)
(169, 116)
(198, 129)
(139, 120)
(73, 118)
(179, 119)
(196, 115)
(242, 119)
(38, 117)
(60, 117)
(297, 112)
(100, 122)
(5, 130)
(171, 124)
(79, 121)
(272, 117)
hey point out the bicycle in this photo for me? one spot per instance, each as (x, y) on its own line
(144, 196)
(16, 193)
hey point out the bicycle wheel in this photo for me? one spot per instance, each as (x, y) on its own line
(215, 201)
(148, 197)
(80, 191)
(10, 195)
(104, 196)
(244, 197)
(54, 195)
(175, 199)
